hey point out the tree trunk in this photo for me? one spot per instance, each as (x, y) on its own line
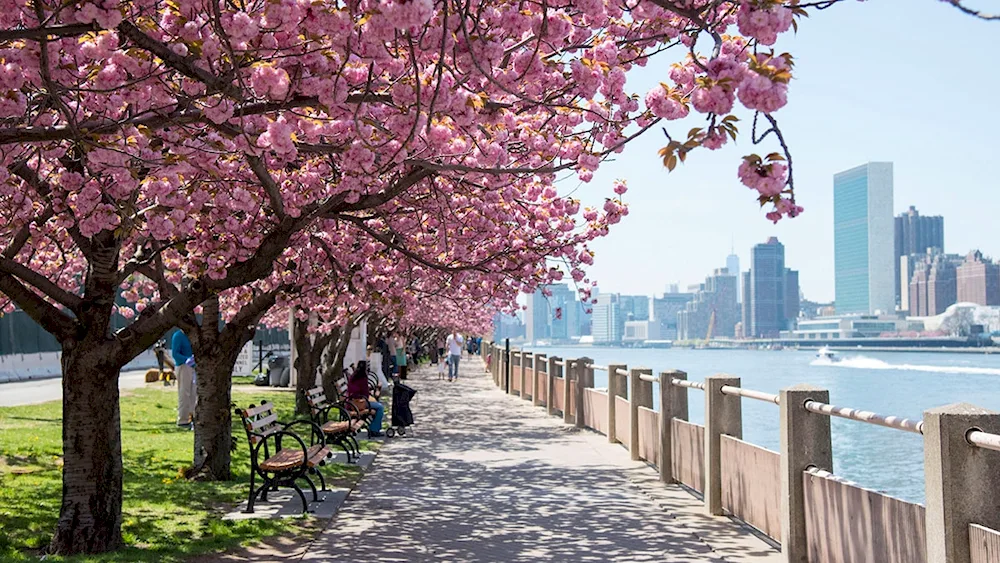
(305, 365)
(213, 417)
(90, 517)
(327, 366)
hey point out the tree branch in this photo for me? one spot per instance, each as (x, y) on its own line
(59, 324)
(267, 181)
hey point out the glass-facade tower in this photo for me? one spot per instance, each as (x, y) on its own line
(864, 239)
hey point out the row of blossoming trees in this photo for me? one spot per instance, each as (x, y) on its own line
(219, 163)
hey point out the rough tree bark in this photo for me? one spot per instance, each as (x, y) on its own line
(308, 349)
(90, 516)
(336, 365)
(216, 351)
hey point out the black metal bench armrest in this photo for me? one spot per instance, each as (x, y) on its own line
(317, 432)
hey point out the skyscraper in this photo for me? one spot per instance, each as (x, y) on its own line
(733, 265)
(932, 288)
(634, 307)
(863, 234)
(608, 323)
(767, 289)
(665, 311)
(791, 298)
(978, 280)
(536, 317)
(548, 314)
(717, 295)
(914, 234)
(745, 304)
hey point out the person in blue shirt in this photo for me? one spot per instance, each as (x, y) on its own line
(180, 348)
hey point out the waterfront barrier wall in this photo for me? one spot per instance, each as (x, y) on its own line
(793, 495)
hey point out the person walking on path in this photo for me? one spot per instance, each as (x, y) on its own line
(454, 344)
(180, 348)
(400, 344)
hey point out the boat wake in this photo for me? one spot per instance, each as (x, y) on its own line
(862, 362)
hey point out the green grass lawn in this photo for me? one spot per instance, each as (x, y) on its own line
(166, 518)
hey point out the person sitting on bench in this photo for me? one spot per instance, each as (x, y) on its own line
(357, 388)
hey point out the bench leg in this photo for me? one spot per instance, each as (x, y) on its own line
(357, 449)
(253, 494)
(302, 496)
(343, 444)
(312, 485)
(322, 480)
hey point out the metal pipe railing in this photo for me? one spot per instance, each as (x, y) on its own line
(899, 423)
(751, 394)
(688, 384)
(621, 371)
(648, 377)
(597, 367)
(984, 439)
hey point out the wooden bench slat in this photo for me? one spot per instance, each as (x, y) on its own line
(265, 407)
(262, 422)
(291, 458)
(264, 433)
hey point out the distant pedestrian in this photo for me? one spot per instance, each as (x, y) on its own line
(442, 361)
(454, 343)
(180, 348)
(401, 356)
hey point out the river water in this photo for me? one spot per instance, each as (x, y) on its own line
(888, 383)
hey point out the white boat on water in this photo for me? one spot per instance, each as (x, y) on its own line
(827, 354)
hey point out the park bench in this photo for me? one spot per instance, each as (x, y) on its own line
(339, 429)
(281, 457)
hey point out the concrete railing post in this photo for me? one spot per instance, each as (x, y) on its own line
(805, 442)
(673, 404)
(550, 388)
(640, 395)
(723, 415)
(536, 363)
(523, 391)
(582, 382)
(513, 370)
(962, 480)
(569, 372)
(615, 389)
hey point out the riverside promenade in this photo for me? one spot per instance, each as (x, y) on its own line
(485, 476)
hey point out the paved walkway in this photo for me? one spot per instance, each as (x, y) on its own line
(487, 477)
(43, 390)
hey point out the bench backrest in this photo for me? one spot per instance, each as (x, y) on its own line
(316, 398)
(259, 422)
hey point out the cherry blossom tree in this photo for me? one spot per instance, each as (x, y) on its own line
(191, 142)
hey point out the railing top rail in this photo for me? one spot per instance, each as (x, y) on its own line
(984, 439)
(688, 384)
(620, 371)
(751, 394)
(599, 367)
(648, 377)
(899, 423)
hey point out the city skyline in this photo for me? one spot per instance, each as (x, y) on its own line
(681, 225)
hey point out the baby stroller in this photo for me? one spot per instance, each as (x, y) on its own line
(402, 416)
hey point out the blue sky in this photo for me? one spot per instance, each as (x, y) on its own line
(917, 86)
